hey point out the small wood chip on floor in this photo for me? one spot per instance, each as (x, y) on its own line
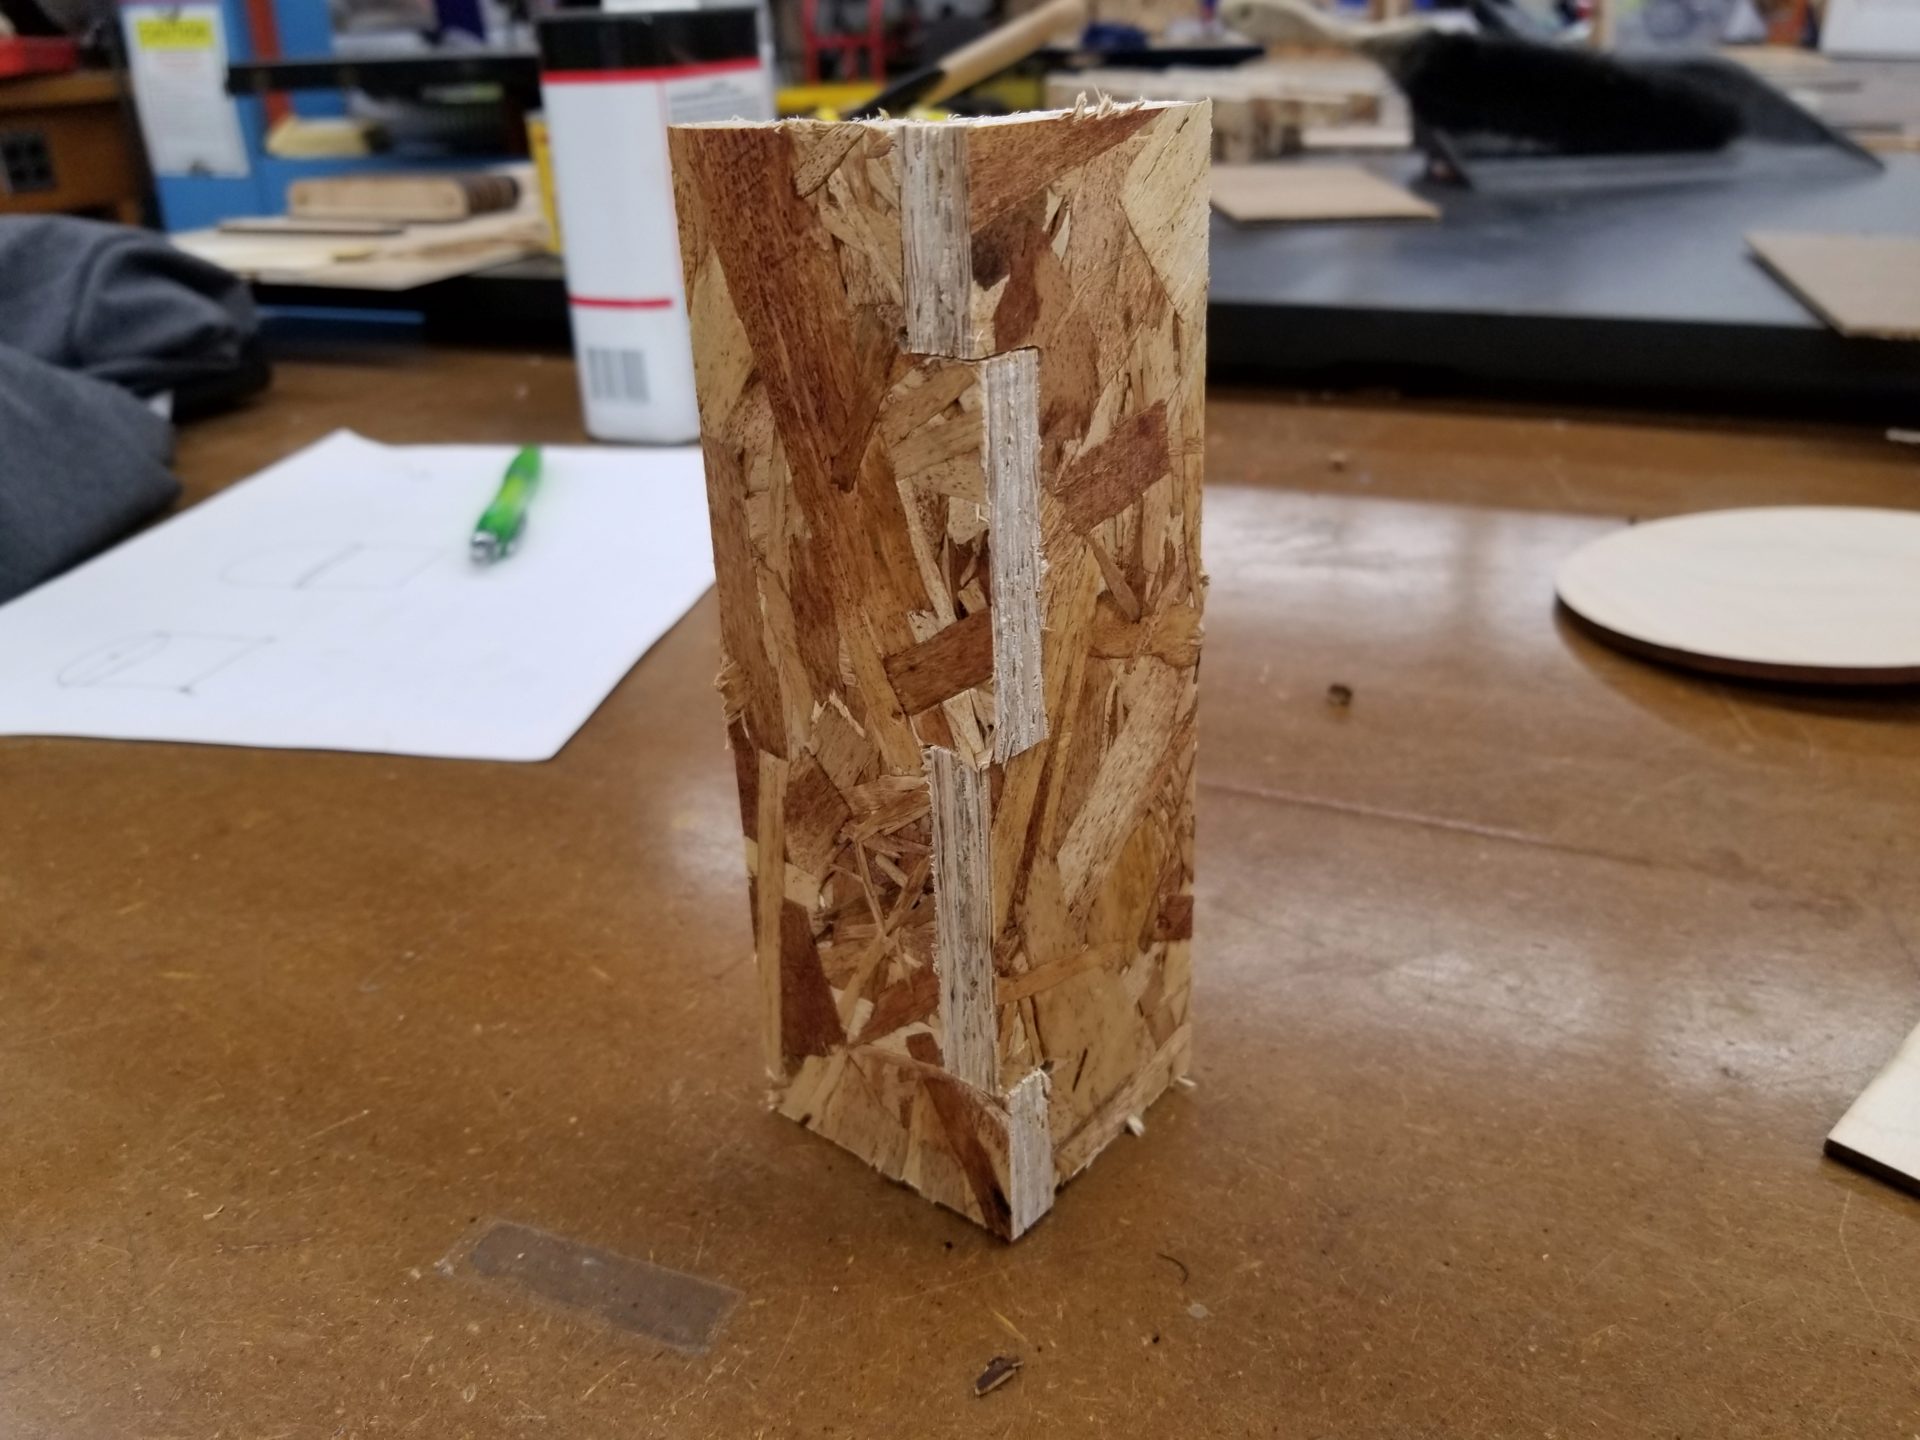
(999, 1370)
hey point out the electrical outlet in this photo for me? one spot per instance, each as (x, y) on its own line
(26, 163)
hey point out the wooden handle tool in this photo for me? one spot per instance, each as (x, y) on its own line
(984, 58)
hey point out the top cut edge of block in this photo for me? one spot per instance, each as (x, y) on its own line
(1093, 109)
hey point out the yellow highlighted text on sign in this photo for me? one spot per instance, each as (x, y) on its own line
(180, 32)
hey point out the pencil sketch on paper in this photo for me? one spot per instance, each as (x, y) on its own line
(331, 566)
(157, 660)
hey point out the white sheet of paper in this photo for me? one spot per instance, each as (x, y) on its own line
(329, 603)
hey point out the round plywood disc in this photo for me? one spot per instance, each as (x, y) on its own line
(1820, 594)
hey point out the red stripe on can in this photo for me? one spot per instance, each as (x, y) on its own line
(612, 302)
(663, 72)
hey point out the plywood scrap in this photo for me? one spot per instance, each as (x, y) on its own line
(1861, 285)
(1880, 1133)
(1256, 194)
(1806, 594)
(403, 257)
(1374, 137)
(407, 198)
(950, 382)
(1261, 110)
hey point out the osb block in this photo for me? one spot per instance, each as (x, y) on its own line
(950, 381)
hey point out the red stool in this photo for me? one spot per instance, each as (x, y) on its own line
(848, 45)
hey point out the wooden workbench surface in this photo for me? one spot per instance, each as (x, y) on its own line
(1526, 987)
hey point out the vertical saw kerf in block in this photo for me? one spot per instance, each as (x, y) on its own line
(950, 382)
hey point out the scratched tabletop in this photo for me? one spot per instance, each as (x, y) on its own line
(354, 1096)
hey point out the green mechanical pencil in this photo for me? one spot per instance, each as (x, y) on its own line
(498, 529)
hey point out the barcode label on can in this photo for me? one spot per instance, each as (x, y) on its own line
(616, 375)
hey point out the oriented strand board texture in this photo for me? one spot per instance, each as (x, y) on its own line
(950, 385)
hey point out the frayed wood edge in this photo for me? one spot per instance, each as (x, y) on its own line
(1104, 105)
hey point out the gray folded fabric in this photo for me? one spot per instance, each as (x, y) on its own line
(91, 316)
(81, 463)
(119, 304)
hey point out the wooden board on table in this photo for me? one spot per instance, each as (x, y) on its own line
(1880, 1133)
(1861, 285)
(279, 225)
(1255, 194)
(1809, 594)
(414, 256)
(424, 199)
(1791, 68)
(349, 264)
(1376, 137)
(1260, 110)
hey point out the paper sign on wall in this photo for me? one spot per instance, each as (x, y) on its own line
(178, 56)
(1872, 28)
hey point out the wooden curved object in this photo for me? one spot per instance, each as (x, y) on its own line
(1811, 594)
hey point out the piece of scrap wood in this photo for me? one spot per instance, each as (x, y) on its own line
(1810, 594)
(1861, 285)
(1880, 1133)
(1254, 194)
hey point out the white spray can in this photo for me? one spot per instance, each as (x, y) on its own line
(612, 82)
